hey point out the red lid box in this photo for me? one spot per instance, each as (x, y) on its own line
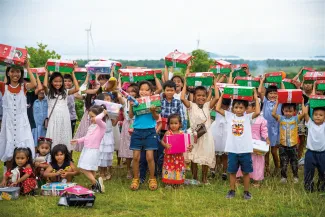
(290, 83)
(290, 96)
(313, 76)
(248, 81)
(316, 101)
(10, 55)
(274, 77)
(64, 66)
(132, 75)
(320, 85)
(178, 59)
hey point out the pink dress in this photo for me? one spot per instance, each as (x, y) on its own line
(125, 138)
(259, 131)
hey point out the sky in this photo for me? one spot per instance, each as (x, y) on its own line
(150, 29)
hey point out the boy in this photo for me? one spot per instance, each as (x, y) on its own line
(315, 155)
(239, 144)
(288, 139)
(71, 103)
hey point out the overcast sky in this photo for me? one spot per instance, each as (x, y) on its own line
(137, 29)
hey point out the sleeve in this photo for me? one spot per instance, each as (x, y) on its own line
(308, 123)
(99, 120)
(264, 131)
(28, 171)
(2, 88)
(8, 173)
(228, 116)
(81, 140)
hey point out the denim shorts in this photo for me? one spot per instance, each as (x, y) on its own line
(144, 139)
(243, 160)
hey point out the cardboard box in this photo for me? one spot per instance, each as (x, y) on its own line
(177, 59)
(133, 75)
(316, 101)
(145, 103)
(320, 85)
(113, 109)
(223, 63)
(178, 142)
(164, 124)
(9, 193)
(200, 79)
(248, 81)
(63, 66)
(314, 76)
(291, 84)
(100, 67)
(150, 74)
(307, 69)
(274, 77)
(290, 96)
(239, 70)
(260, 147)
(40, 71)
(81, 74)
(55, 188)
(10, 55)
(238, 92)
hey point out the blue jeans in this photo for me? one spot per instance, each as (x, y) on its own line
(313, 160)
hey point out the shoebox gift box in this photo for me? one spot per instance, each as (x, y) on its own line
(274, 77)
(307, 69)
(145, 103)
(10, 55)
(290, 96)
(314, 76)
(9, 193)
(63, 66)
(239, 92)
(290, 83)
(239, 70)
(40, 71)
(177, 59)
(178, 142)
(100, 67)
(316, 101)
(248, 81)
(219, 69)
(199, 79)
(113, 109)
(260, 147)
(150, 74)
(133, 75)
(77, 196)
(55, 188)
(81, 74)
(320, 85)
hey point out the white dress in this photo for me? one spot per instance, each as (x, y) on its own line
(15, 128)
(59, 126)
(117, 135)
(106, 148)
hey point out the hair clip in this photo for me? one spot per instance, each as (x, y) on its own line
(42, 138)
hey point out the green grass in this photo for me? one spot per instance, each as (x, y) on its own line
(271, 199)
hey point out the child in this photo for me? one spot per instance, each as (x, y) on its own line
(106, 148)
(259, 132)
(315, 155)
(239, 144)
(219, 133)
(15, 130)
(40, 114)
(71, 104)
(144, 137)
(59, 125)
(269, 97)
(124, 151)
(88, 161)
(174, 165)
(42, 157)
(199, 112)
(21, 174)
(61, 166)
(288, 139)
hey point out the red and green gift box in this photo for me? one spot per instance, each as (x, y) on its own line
(320, 85)
(290, 83)
(132, 75)
(238, 92)
(178, 59)
(145, 103)
(164, 123)
(63, 66)
(273, 77)
(316, 101)
(40, 71)
(290, 96)
(239, 70)
(307, 69)
(314, 76)
(81, 74)
(200, 79)
(248, 81)
(213, 114)
(218, 69)
(10, 55)
(151, 72)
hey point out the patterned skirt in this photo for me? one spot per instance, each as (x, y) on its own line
(173, 169)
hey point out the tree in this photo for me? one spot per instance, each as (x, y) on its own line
(201, 61)
(40, 55)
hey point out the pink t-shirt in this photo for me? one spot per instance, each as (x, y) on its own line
(259, 128)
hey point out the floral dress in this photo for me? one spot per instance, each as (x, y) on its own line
(173, 168)
(29, 184)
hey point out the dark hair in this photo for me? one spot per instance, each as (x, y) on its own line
(147, 83)
(135, 89)
(172, 116)
(178, 76)
(97, 109)
(200, 88)
(21, 80)
(113, 96)
(104, 77)
(288, 105)
(252, 103)
(28, 154)
(89, 97)
(170, 84)
(270, 89)
(240, 102)
(64, 150)
(52, 90)
(68, 76)
(226, 101)
(319, 109)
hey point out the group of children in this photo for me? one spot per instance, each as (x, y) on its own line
(141, 141)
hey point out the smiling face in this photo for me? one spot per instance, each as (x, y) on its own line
(288, 112)
(21, 159)
(272, 96)
(200, 97)
(57, 82)
(44, 149)
(131, 91)
(14, 74)
(67, 83)
(59, 157)
(145, 90)
(92, 117)
(179, 84)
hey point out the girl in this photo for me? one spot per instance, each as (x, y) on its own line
(88, 161)
(199, 112)
(106, 148)
(174, 165)
(22, 174)
(61, 166)
(144, 137)
(42, 158)
(269, 97)
(124, 151)
(259, 132)
(59, 125)
(15, 127)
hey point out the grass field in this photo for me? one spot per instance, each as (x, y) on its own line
(271, 199)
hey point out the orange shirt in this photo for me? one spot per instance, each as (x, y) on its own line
(11, 89)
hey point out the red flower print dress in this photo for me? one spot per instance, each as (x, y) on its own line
(29, 184)
(173, 168)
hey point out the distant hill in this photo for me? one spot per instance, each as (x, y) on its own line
(214, 55)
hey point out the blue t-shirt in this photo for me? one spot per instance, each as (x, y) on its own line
(144, 121)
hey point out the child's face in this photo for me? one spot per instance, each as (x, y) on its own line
(131, 91)
(169, 92)
(14, 74)
(108, 99)
(319, 117)
(59, 157)
(250, 109)
(92, 117)
(44, 149)
(21, 159)
(272, 96)
(308, 87)
(41, 94)
(67, 84)
(178, 83)
(57, 83)
(145, 90)
(174, 124)
(200, 97)
(238, 109)
(102, 81)
(288, 112)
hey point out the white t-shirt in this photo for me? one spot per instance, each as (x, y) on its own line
(178, 96)
(316, 136)
(219, 132)
(239, 133)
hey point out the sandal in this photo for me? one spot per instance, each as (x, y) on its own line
(153, 184)
(135, 184)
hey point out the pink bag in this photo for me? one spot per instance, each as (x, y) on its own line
(179, 143)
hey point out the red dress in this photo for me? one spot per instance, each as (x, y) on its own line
(29, 184)
(173, 168)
